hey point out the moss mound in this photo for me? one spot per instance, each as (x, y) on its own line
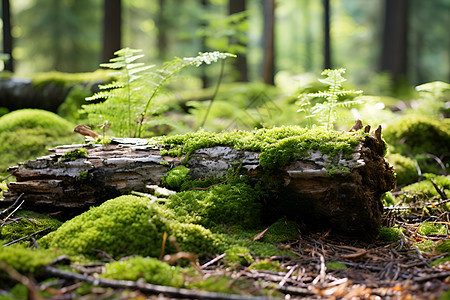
(425, 187)
(25, 260)
(27, 133)
(416, 135)
(405, 168)
(225, 204)
(128, 225)
(149, 269)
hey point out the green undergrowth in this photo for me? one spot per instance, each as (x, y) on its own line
(129, 225)
(389, 234)
(149, 269)
(425, 187)
(26, 222)
(235, 202)
(25, 260)
(421, 139)
(278, 146)
(28, 133)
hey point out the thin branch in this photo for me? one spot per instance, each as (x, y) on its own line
(440, 192)
(25, 237)
(14, 204)
(146, 287)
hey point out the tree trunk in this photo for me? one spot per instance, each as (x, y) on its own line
(301, 190)
(7, 37)
(237, 6)
(112, 28)
(326, 35)
(162, 32)
(394, 51)
(269, 34)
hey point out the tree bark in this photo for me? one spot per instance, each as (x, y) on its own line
(7, 37)
(326, 34)
(112, 28)
(269, 36)
(302, 190)
(237, 6)
(394, 51)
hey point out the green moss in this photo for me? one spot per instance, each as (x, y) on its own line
(443, 246)
(335, 265)
(129, 225)
(425, 187)
(388, 199)
(414, 135)
(440, 260)
(427, 228)
(67, 80)
(28, 222)
(281, 231)
(278, 146)
(238, 255)
(426, 246)
(230, 203)
(405, 168)
(74, 154)
(122, 226)
(28, 133)
(25, 260)
(149, 269)
(266, 264)
(175, 177)
(389, 234)
(194, 238)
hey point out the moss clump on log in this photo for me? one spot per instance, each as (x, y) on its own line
(278, 146)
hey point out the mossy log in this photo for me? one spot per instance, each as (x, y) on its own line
(303, 189)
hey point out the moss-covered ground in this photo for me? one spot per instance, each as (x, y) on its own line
(170, 241)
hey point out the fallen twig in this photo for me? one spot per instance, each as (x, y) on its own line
(145, 287)
(25, 237)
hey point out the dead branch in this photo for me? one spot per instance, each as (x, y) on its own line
(145, 287)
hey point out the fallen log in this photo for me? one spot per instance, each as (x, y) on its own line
(337, 191)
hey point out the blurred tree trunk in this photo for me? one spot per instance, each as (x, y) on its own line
(306, 17)
(205, 79)
(394, 51)
(112, 25)
(237, 6)
(326, 34)
(7, 38)
(161, 24)
(269, 51)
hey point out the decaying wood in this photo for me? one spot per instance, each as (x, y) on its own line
(301, 190)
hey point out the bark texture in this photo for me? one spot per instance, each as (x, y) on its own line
(302, 190)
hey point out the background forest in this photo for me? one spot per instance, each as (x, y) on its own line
(308, 35)
(211, 72)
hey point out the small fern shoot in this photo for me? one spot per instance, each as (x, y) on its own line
(326, 111)
(158, 78)
(128, 99)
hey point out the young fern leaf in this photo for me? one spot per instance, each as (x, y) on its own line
(326, 112)
(128, 99)
(169, 69)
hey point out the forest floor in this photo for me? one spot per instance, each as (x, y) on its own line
(324, 267)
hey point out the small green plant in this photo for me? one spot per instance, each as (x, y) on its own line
(129, 99)
(326, 111)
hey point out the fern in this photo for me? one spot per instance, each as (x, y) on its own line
(326, 111)
(128, 100)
